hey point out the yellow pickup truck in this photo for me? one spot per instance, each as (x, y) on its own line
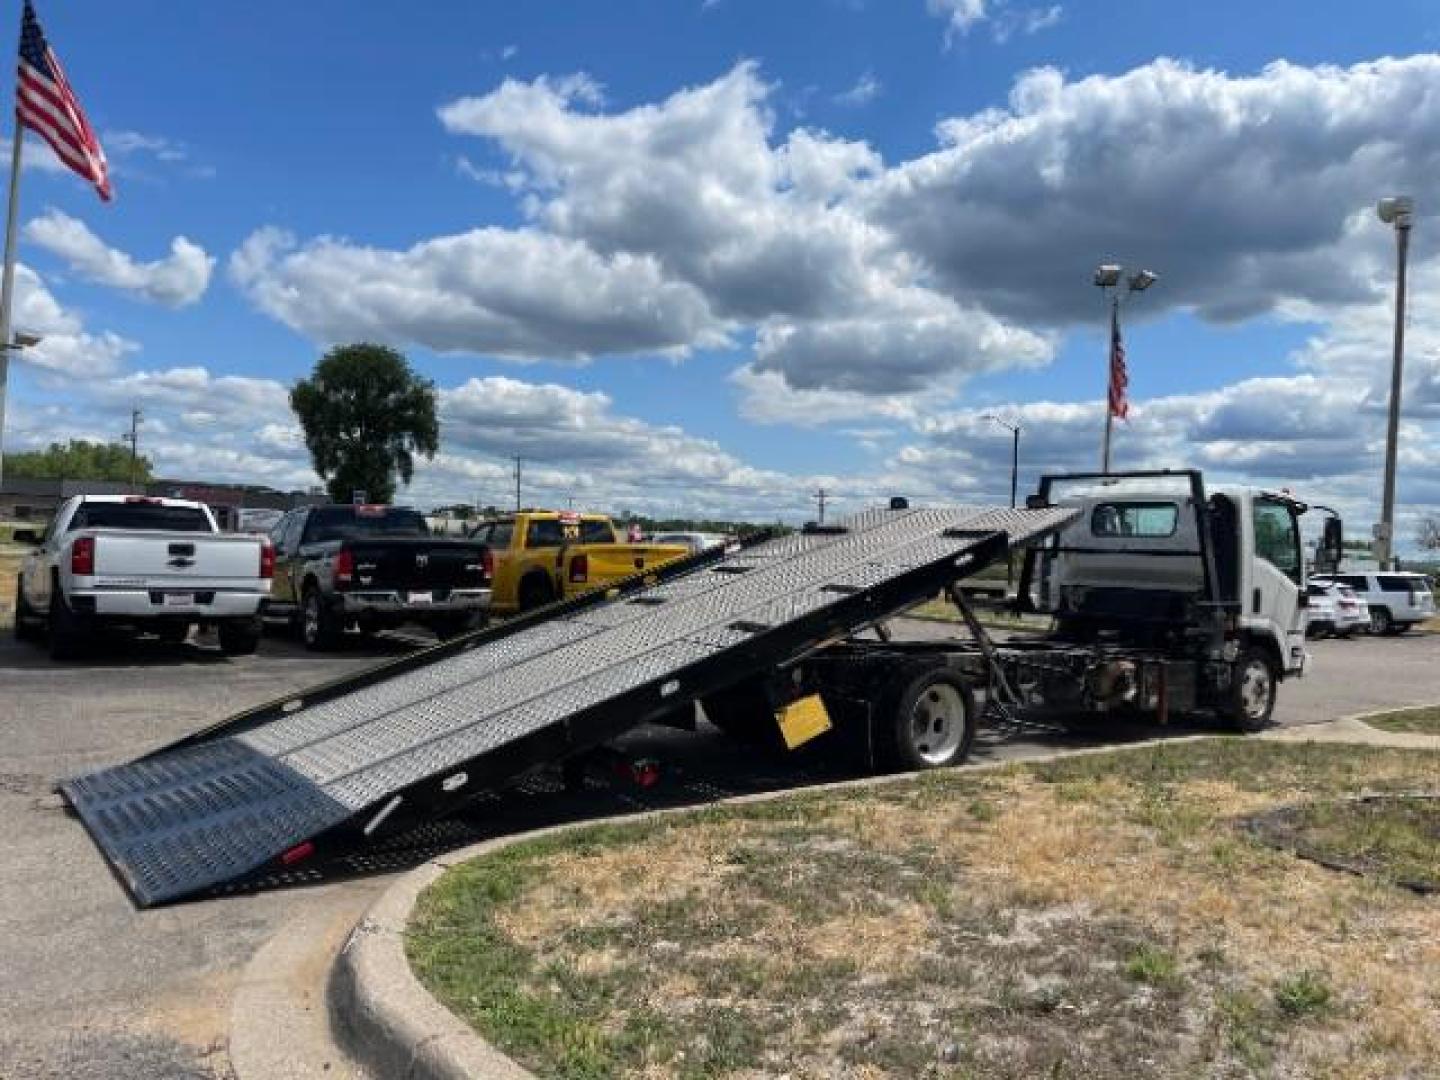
(542, 555)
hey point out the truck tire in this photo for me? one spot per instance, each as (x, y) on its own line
(927, 722)
(173, 633)
(453, 626)
(1252, 691)
(69, 632)
(535, 592)
(319, 628)
(27, 623)
(1380, 621)
(239, 637)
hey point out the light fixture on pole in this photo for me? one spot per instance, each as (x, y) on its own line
(19, 340)
(1107, 278)
(1398, 211)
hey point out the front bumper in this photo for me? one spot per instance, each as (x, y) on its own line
(167, 603)
(363, 602)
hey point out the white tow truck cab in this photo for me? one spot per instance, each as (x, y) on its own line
(1182, 597)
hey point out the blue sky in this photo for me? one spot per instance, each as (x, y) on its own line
(690, 256)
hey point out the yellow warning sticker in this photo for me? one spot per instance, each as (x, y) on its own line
(802, 720)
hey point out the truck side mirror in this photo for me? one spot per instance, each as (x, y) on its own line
(1332, 543)
(26, 536)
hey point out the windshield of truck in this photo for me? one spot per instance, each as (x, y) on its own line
(355, 523)
(140, 515)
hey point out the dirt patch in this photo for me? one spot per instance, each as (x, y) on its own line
(1392, 838)
(1098, 917)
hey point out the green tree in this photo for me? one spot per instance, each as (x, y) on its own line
(366, 414)
(78, 460)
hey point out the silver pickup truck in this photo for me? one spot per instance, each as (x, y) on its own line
(159, 565)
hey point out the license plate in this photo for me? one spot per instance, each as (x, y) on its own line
(421, 597)
(179, 599)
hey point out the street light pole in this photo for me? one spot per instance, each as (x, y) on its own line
(1398, 211)
(1014, 430)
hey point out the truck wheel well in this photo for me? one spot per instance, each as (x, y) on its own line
(310, 582)
(1268, 646)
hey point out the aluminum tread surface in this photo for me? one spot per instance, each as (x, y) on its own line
(203, 815)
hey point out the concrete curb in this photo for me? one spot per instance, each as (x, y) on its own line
(393, 1025)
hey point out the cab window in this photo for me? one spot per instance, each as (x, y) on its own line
(596, 532)
(1277, 538)
(1143, 520)
(500, 535)
(544, 532)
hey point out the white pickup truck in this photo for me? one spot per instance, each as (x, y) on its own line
(159, 565)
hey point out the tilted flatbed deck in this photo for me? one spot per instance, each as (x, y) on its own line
(345, 763)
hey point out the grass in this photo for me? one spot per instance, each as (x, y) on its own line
(1072, 918)
(1420, 721)
(1395, 838)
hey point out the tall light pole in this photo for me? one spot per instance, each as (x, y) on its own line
(1399, 212)
(20, 340)
(1014, 430)
(1107, 278)
(133, 438)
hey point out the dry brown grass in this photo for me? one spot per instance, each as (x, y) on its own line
(1061, 921)
(9, 567)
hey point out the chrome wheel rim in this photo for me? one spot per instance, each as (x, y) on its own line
(312, 620)
(1255, 689)
(937, 723)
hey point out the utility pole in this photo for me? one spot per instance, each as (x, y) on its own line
(821, 497)
(1399, 212)
(517, 483)
(133, 438)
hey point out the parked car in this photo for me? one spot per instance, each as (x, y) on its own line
(545, 555)
(1334, 609)
(1396, 600)
(160, 565)
(373, 567)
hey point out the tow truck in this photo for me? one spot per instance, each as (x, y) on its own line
(1164, 597)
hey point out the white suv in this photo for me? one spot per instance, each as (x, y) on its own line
(1397, 601)
(1334, 609)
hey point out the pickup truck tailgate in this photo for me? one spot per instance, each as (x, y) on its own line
(610, 562)
(176, 558)
(418, 564)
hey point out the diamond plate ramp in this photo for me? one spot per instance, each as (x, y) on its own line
(211, 813)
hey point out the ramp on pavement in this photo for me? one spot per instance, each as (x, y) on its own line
(338, 766)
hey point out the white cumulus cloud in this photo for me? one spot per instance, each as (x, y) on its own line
(176, 281)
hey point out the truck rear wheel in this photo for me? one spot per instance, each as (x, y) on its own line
(319, 628)
(535, 592)
(1252, 691)
(239, 637)
(69, 632)
(743, 712)
(27, 626)
(931, 724)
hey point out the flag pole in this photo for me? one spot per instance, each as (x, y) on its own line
(7, 283)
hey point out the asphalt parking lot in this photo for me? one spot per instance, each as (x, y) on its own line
(93, 988)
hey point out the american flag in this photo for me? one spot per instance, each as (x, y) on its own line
(1119, 377)
(45, 103)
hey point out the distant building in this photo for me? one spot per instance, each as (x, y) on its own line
(36, 500)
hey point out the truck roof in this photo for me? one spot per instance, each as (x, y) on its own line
(149, 500)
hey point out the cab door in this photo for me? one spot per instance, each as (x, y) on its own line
(284, 536)
(1278, 569)
(505, 576)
